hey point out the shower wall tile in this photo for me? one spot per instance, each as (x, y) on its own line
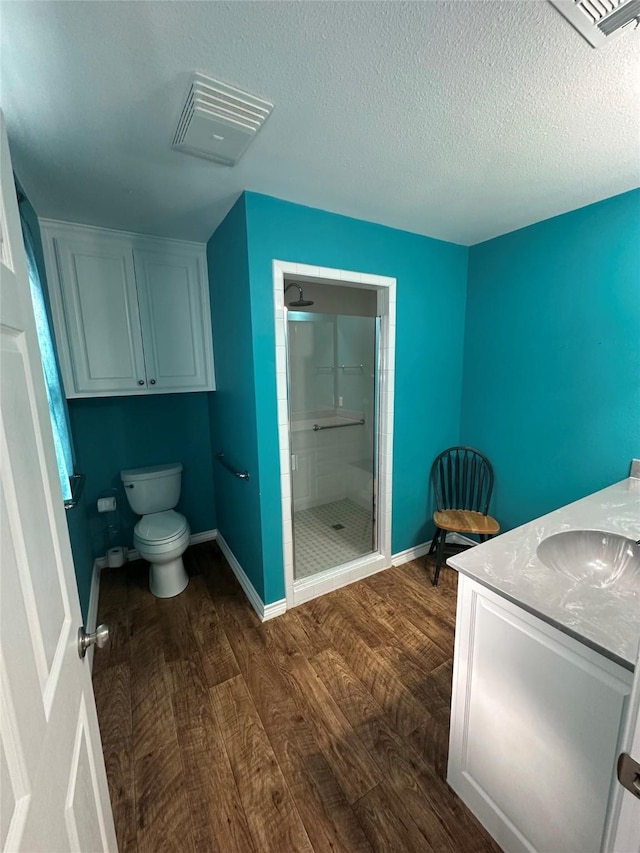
(283, 411)
(281, 359)
(307, 269)
(285, 486)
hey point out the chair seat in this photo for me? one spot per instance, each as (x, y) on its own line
(465, 521)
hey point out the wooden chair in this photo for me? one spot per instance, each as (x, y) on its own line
(462, 481)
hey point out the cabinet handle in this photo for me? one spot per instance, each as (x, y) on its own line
(152, 381)
(140, 381)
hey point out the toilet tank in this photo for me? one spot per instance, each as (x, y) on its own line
(152, 489)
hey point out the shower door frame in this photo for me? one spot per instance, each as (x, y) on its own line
(305, 589)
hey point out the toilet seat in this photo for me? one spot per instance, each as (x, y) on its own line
(160, 528)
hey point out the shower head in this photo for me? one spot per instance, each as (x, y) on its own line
(301, 302)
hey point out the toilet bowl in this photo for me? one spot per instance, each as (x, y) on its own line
(162, 538)
(162, 535)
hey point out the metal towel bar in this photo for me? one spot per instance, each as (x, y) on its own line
(76, 482)
(317, 427)
(242, 475)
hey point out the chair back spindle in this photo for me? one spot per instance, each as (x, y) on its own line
(462, 478)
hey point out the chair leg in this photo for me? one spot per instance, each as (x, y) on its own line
(434, 541)
(439, 555)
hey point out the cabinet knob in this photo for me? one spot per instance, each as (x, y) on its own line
(140, 381)
(153, 381)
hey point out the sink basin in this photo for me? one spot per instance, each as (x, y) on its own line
(601, 559)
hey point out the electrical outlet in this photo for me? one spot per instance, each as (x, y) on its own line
(340, 402)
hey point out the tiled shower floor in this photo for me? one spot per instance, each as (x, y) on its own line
(318, 546)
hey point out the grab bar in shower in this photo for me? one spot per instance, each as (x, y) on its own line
(242, 475)
(340, 367)
(317, 427)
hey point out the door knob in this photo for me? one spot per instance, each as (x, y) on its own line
(99, 638)
(629, 774)
(140, 381)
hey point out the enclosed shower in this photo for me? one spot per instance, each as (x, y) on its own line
(333, 417)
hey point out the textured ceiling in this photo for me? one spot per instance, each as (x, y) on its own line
(460, 120)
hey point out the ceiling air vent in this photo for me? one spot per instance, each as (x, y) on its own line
(217, 121)
(600, 21)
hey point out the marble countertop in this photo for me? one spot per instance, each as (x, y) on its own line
(608, 620)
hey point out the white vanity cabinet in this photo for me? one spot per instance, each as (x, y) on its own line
(535, 724)
(131, 313)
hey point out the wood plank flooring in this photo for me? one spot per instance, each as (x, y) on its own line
(325, 729)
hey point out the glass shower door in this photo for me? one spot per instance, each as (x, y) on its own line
(333, 422)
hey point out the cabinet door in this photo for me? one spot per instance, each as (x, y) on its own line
(174, 312)
(100, 306)
(535, 724)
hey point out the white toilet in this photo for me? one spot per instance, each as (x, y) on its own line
(162, 535)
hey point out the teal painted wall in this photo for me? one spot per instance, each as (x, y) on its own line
(114, 433)
(77, 522)
(432, 278)
(233, 405)
(552, 356)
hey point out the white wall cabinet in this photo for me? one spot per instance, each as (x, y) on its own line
(535, 724)
(131, 313)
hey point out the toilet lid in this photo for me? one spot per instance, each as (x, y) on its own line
(163, 526)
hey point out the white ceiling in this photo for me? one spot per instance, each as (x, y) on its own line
(460, 120)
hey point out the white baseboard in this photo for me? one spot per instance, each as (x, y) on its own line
(265, 612)
(420, 550)
(92, 611)
(203, 536)
(410, 554)
(270, 611)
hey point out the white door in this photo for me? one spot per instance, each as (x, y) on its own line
(53, 786)
(100, 310)
(625, 827)
(175, 319)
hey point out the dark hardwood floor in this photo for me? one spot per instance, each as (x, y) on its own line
(325, 729)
